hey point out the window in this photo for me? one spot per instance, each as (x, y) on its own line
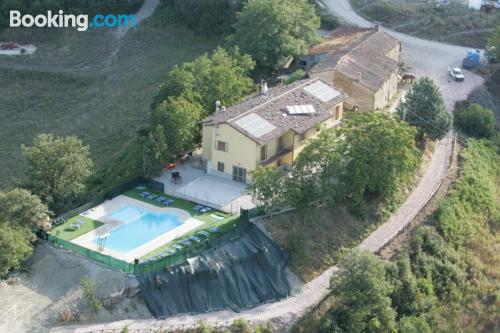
(220, 166)
(281, 143)
(221, 145)
(239, 174)
(302, 137)
(263, 153)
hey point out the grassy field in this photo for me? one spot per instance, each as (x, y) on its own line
(315, 239)
(453, 23)
(65, 232)
(91, 84)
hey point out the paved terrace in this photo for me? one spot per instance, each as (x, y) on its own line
(209, 190)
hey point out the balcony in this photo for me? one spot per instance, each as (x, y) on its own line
(276, 156)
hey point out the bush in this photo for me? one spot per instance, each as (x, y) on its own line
(89, 292)
(476, 121)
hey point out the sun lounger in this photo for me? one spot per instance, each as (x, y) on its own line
(204, 233)
(171, 250)
(168, 202)
(197, 207)
(74, 226)
(152, 196)
(186, 243)
(177, 247)
(160, 199)
(144, 194)
(214, 229)
(206, 209)
(217, 217)
(195, 239)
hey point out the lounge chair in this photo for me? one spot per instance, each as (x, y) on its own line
(214, 229)
(186, 243)
(160, 199)
(177, 247)
(152, 196)
(206, 209)
(168, 202)
(74, 226)
(171, 250)
(144, 194)
(204, 233)
(197, 207)
(195, 239)
(217, 217)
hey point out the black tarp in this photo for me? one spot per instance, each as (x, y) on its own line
(238, 274)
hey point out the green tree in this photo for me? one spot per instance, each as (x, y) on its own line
(222, 76)
(414, 325)
(15, 246)
(378, 155)
(58, 167)
(361, 291)
(476, 121)
(273, 30)
(179, 120)
(268, 188)
(494, 42)
(424, 108)
(19, 207)
(316, 172)
(154, 151)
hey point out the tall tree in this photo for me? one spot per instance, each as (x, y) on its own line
(222, 76)
(424, 108)
(268, 188)
(179, 120)
(361, 293)
(15, 246)
(378, 154)
(154, 151)
(273, 30)
(19, 207)
(58, 167)
(316, 173)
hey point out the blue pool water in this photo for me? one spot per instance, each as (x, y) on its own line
(141, 227)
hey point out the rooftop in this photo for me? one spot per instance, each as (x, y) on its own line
(298, 107)
(359, 53)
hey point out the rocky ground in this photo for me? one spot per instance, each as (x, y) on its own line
(34, 301)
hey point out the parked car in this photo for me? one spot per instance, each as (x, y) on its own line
(456, 74)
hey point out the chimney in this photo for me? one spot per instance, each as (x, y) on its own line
(223, 109)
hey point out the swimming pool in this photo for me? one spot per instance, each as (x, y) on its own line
(141, 227)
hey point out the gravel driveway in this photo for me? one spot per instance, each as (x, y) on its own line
(427, 58)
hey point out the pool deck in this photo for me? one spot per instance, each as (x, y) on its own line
(103, 214)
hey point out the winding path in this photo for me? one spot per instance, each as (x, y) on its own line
(426, 58)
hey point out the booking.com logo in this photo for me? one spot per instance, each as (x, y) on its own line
(61, 20)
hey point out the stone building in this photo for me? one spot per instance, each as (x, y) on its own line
(362, 62)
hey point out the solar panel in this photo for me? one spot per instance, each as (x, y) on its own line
(255, 125)
(321, 91)
(300, 109)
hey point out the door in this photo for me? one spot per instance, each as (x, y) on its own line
(239, 174)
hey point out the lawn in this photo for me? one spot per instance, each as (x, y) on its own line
(89, 84)
(65, 232)
(227, 223)
(314, 239)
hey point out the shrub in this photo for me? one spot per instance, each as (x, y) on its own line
(476, 121)
(89, 292)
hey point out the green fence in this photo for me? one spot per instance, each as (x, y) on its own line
(153, 265)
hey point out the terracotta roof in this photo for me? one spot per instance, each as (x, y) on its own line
(359, 54)
(272, 107)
